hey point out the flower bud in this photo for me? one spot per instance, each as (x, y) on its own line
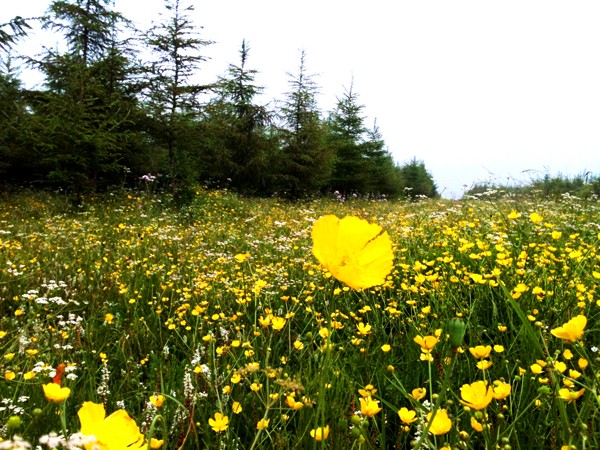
(356, 433)
(456, 330)
(13, 422)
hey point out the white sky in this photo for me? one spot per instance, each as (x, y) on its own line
(479, 90)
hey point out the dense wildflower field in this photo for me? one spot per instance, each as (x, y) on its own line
(231, 323)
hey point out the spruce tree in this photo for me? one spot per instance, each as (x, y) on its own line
(346, 134)
(306, 159)
(243, 130)
(171, 98)
(383, 176)
(82, 117)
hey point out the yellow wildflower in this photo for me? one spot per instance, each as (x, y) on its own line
(476, 425)
(572, 330)
(157, 400)
(320, 433)
(481, 351)
(369, 407)
(55, 393)
(116, 431)
(156, 443)
(407, 416)
(418, 393)
(426, 342)
(500, 390)
(570, 396)
(263, 424)
(440, 424)
(219, 423)
(476, 395)
(236, 408)
(277, 323)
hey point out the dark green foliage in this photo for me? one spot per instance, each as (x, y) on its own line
(11, 32)
(383, 176)
(582, 185)
(241, 149)
(417, 180)
(362, 164)
(14, 160)
(81, 125)
(87, 26)
(13, 125)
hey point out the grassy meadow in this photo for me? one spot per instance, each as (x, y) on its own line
(214, 326)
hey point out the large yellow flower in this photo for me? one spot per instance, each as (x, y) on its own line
(476, 395)
(572, 330)
(354, 251)
(115, 432)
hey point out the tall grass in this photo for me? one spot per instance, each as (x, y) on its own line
(221, 307)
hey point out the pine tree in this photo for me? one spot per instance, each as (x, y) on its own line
(87, 26)
(346, 131)
(383, 176)
(306, 158)
(171, 98)
(244, 127)
(82, 120)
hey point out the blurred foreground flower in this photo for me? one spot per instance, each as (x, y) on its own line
(356, 252)
(572, 330)
(55, 393)
(115, 432)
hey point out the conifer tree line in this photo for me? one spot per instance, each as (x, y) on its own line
(109, 113)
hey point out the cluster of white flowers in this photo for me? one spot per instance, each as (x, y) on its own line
(102, 389)
(75, 441)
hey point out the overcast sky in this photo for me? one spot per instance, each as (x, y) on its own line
(479, 90)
